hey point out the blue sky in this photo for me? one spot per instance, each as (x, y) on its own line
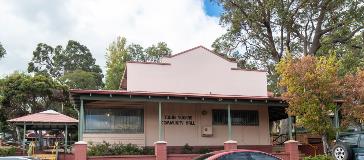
(212, 9)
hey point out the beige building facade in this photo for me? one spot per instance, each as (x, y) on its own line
(196, 97)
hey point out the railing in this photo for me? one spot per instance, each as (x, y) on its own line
(313, 147)
(280, 139)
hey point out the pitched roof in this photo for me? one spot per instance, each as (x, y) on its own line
(213, 52)
(48, 116)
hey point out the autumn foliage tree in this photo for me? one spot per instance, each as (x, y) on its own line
(311, 86)
(353, 95)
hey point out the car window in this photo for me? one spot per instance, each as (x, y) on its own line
(261, 156)
(247, 156)
(235, 156)
(361, 143)
(351, 139)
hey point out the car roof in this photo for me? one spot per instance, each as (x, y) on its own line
(224, 152)
(347, 133)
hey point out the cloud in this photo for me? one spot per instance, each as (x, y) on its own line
(182, 24)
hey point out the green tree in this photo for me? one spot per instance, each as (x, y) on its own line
(22, 94)
(311, 87)
(119, 53)
(262, 30)
(116, 57)
(80, 79)
(156, 52)
(2, 51)
(57, 61)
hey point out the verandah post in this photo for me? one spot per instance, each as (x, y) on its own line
(80, 122)
(290, 128)
(65, 138)
(230, 144)
(160, 150)
(160, 133)
(25, 131)
(337, 125)
(229, 123)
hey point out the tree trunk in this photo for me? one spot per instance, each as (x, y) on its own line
(325, 144)
(18, 134)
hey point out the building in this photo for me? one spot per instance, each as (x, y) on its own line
(195, 97)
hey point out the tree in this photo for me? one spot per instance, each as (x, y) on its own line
(22, 94)
(116, 57)
(80, 79)
(119, 53)
(156, 52)
(57, 62)
(311, 88)
(352, 109)
(262, 30)
(2, 51)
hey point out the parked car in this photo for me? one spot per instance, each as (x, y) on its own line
(239, 154)
(349, 146)
(17, 158)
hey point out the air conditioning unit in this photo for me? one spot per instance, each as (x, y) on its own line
(206, 131)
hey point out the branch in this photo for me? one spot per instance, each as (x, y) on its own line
(343, 40)
(331, 28)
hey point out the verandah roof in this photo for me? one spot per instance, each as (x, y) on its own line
(276, 105)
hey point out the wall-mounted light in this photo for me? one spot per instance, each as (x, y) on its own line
(204, 112)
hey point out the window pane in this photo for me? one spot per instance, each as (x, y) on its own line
(238, 117)
(114, 120)
(219, 116)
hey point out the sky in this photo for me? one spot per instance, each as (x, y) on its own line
(182, 24)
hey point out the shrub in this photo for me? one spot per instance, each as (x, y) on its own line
(7, 151)
(148, 150)
(105, 149)
(101, 149)
(319, 157)
(203, 151)
(187, 149)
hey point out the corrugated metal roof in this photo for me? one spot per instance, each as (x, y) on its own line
(146, 93)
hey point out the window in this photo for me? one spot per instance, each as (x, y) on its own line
(238, 117)
(350, 139)
(127, 121)
(361, 144)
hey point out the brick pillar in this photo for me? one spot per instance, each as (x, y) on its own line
(230, 145)
(80, 150)
(291, 147)
(160, 150)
